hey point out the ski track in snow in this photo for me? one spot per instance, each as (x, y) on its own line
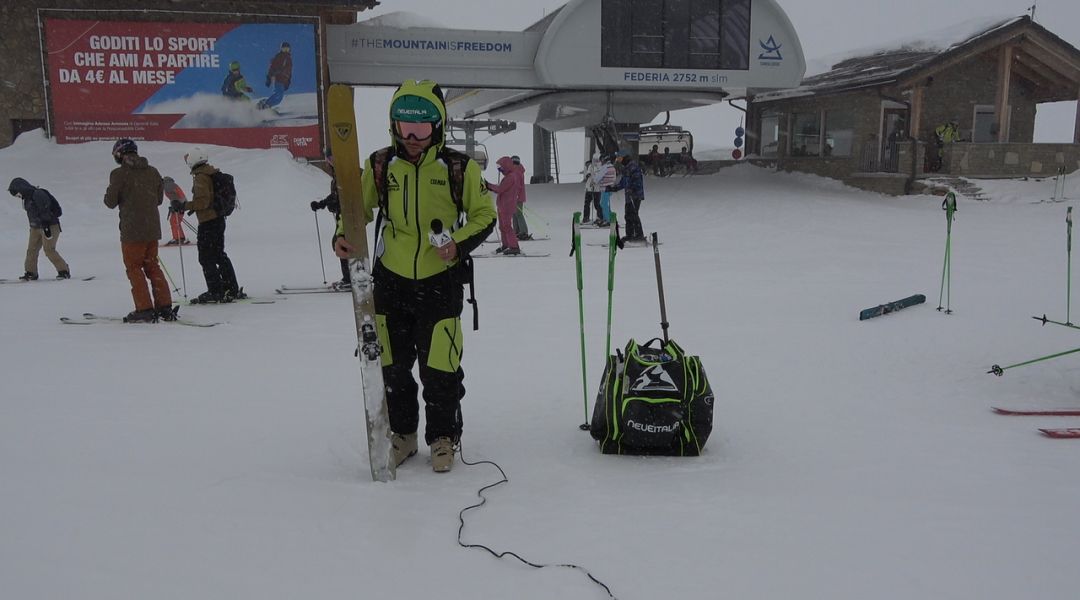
(848, 460)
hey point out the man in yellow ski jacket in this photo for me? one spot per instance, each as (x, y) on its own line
(418, 285)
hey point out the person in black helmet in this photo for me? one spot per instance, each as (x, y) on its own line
(136, 189)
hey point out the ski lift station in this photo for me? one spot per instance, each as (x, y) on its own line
(605, 66)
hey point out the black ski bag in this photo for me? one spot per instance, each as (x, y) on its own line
(653, 400)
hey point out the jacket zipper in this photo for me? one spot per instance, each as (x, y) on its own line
(419, 233)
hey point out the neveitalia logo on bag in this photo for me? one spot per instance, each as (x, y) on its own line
(653, 400)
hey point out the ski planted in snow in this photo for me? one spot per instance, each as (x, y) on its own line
(890, 307)
(343, 144)
(1050, 412)
(1062, 434)
(94, 319)
(45, 280)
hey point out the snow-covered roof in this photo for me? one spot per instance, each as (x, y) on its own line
(887, 62)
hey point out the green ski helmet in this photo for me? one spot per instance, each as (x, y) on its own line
(419, 102)
(234, 65)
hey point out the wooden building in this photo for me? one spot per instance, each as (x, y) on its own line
(870, 120)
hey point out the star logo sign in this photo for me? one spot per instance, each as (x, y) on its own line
(771, 49)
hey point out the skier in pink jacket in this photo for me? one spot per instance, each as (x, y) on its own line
(509, 189)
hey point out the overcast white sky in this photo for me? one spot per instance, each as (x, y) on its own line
(825, 27)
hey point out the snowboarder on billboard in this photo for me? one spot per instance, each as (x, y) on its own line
(279, 75)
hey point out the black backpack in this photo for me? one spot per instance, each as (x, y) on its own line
(653, 401)
(54, 205)
(224, 202)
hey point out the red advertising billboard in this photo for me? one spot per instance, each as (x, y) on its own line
(233, 84)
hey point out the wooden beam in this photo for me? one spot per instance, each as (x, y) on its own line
(1037, 73)
(915, 119)
(1001, 98)
(1076, 127)
(1068, 68)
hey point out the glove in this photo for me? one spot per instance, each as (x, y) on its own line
(315, 205)
(176, 205)
(267, 81)
(610, 189)
(48, 232)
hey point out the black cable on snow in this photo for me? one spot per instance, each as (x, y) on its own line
(504, 554)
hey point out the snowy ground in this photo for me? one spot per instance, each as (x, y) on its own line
(849, 460)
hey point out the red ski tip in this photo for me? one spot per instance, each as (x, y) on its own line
(1069, 433)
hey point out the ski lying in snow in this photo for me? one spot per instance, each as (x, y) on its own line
(627, 244)
(244, 300)
(46, 280)
(321, 289)
(343, 144)
(93, 319)
(1061, 434)
(1052, 412)
(522, 255)
(884, 309)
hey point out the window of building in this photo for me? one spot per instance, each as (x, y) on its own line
(676, 34)
(839, 133)
(770, 135)
(806, 134)
(985, 125)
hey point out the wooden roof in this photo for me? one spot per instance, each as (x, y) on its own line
(1049, 64)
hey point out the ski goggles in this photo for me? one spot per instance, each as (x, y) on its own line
(417, 131)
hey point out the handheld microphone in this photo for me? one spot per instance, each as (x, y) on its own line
(438, 237)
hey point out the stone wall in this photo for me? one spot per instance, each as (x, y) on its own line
(22, 88)
(1010, 160)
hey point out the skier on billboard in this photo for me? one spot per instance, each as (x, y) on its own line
(278, 75)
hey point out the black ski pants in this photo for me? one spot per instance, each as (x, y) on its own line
(216, 266)
(633, 220)
(420, 320)
(591, 199)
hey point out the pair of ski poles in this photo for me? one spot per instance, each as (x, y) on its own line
(999, 370)
(575, 250)
(949, 206)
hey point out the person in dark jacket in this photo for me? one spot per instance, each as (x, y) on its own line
(137, 189)
(333, 205)
(221, 285)
(43, 212)
(634, 184)
(279, 75)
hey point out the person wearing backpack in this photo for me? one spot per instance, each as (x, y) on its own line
(418, 286)
(221, 285)
(136, 189)
(43, 212)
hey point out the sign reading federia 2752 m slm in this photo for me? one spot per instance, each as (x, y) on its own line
(241, 85)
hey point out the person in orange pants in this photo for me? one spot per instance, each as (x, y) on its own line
(136, 189)
(176, 219)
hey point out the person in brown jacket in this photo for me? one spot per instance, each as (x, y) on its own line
(221, 285)
(136, 188)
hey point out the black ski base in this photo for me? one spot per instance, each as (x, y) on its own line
(884, 309)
